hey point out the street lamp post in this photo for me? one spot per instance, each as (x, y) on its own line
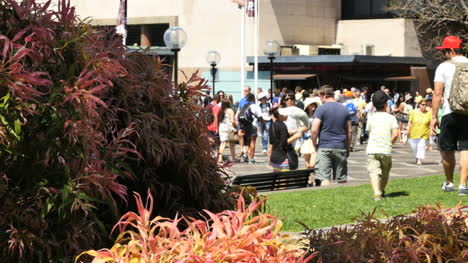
(213, 58)
(175, 39)
(271, 50)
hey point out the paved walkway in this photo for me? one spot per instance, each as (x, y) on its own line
(404, 164)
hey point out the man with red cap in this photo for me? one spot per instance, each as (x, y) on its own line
(453, 125)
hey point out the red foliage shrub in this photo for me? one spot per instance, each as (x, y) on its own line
(80, 125)
(431, 234)
(242, 235)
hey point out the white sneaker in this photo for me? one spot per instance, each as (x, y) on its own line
(448, 187)
(462, 190)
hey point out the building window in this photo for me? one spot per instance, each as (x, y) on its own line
(364, 9)
(133, 35)
(154, 33)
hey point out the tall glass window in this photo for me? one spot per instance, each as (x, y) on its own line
(364, 9)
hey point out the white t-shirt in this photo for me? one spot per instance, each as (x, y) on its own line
(444, 73)
(369, 109)
(257, 112)
(380, 127)
(265, 108)
(296, 117)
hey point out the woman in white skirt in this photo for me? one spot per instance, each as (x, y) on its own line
(307, 149)
(226, 131)
(419, 130)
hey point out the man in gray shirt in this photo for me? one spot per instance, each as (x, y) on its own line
(332, 130)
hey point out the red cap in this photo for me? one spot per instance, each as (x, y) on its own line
(451, 42)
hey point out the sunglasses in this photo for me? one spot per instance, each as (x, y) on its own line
(287, 99)
(423, 104)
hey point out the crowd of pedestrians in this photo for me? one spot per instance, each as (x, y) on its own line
(324, 125)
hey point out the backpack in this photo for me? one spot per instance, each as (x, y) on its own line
(352, 112)
(246, 115)
(351, 108)
(458, 99)
(208, 114)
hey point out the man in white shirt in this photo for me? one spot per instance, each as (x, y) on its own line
(453, 126)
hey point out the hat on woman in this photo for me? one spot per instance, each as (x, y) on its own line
(309, 101)
(429, 90)
(408, 97)
(262, 95)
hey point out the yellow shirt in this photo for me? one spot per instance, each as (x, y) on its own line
(420, 124)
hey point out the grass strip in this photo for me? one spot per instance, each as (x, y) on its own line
(336, 206)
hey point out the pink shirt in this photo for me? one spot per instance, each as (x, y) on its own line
(215, 109)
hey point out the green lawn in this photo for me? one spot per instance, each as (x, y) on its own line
(336, 206)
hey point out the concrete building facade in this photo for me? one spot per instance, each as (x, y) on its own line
(304, 25)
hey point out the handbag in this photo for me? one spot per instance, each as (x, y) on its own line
(293, 159)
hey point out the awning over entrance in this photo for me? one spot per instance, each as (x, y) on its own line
(405, 78)
(293, 76)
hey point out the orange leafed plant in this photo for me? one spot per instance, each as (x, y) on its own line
(243, 235)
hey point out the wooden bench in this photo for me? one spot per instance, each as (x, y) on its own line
(275, 181)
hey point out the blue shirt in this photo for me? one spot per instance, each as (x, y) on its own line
(390, 105)
(243, 102)
(333, 117)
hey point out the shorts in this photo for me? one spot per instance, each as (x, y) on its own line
(379, 165)
(454, 132)
(249, 130)
(331, 163)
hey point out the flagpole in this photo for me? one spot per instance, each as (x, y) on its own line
(121, 27)
(243, 49)
(256, 45)
(124, 39)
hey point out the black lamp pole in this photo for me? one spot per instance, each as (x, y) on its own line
(271, 78)
(176, 66)
(213, 74)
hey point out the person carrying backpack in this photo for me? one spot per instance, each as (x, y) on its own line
(245, 117)
(353, 113)
(451, 85)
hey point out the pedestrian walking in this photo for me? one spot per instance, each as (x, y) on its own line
(353, 112)
(246, 117)
(419, 131)
(450, 85)
(332, 130)
(401, 115)
(383, 132)
(211, 113)
(265, 107)
(240, 131)
(227, 131)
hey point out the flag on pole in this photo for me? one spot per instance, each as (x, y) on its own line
(240, 3)
(121, 27)
(250, 9)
